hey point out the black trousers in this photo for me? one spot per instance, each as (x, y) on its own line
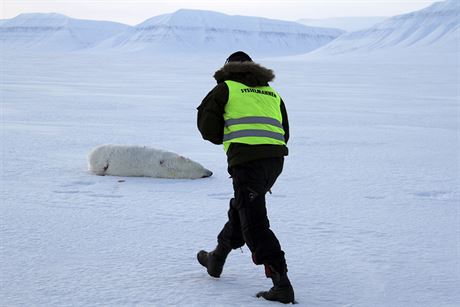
(247, 217)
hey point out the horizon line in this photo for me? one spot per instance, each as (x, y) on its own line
(187, 9)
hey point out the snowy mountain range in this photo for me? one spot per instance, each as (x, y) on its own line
(54, 32)
(435, 28)
(195, 31)
(185, 31)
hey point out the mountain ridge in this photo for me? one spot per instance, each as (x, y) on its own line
(348, 24)
(186, 31)
(54, 32)
(434, 27)
(207, 32)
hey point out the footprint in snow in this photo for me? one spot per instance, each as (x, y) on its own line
(70, 192)
(106, 196)
(433, 194)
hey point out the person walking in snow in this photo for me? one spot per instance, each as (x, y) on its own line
(249, 118)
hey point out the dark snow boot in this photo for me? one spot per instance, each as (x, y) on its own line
(281, 291)
(213, 261)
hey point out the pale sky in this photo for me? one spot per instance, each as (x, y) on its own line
(136, 11)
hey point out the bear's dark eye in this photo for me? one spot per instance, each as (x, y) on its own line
(162, 162)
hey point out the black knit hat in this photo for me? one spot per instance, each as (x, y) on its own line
(238, 56)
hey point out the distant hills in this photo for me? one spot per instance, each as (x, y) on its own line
(185, 31)
(436, 28)
(54, 32)
(208, 32)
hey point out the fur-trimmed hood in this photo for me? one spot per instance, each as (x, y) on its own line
(249, 73)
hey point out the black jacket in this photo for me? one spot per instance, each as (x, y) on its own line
(211, 119)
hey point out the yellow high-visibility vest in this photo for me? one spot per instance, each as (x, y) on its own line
(252, 116)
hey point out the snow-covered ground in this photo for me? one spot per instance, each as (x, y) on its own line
(367, 208)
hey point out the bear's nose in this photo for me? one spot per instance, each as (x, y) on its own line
(208, 173)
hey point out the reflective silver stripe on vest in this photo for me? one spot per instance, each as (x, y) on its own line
(256, 133)
(254, 120)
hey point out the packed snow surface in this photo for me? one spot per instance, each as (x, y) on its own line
(367, 208)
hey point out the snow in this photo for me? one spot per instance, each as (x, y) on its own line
(366, 208)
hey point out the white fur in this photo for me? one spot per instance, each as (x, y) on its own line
(119, 160)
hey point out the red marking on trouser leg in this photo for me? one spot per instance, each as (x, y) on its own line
(254, 258)
(268, 271)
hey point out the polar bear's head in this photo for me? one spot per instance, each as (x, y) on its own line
(177, 166)
(98, 160)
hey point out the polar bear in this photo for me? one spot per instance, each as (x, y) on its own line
(141, 161)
